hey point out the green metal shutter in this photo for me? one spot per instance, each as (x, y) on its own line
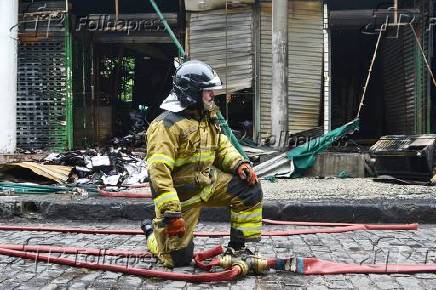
(42, 82)
(423, 82)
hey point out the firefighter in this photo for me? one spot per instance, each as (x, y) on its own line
(191, 165)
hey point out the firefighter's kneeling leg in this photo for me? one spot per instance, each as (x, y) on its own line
(173, 251)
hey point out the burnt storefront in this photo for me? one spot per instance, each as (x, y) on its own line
(399, 95)
(91, 70)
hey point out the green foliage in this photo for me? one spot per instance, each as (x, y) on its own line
(125, 68)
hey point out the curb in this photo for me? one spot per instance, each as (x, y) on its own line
(326, 210)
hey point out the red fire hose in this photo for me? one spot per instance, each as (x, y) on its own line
(227, 275)
(22, 251)
(319, 231)
(76, 250)
(125, 194)
(313, 266)
(145, 193)
(72, 230)
(294, 223)
(212, 234)
(200, 257)
(307, 266)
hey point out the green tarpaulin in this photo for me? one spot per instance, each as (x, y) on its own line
(304, 156)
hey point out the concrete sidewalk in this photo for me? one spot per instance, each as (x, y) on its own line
(309, 199)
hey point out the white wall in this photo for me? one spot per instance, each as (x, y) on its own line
(8, 75)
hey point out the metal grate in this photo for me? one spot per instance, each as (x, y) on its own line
(403, 142)
(41, 83)
(392, 144)
(41, 101)
(410, 157)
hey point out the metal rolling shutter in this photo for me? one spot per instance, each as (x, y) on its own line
(265, 69)
(423, 83)
(399, 77)
(210, 41)
(41, 83)
(305, 61)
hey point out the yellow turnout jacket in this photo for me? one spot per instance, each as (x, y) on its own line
(182, 154)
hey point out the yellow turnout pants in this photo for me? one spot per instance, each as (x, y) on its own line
(228, 190)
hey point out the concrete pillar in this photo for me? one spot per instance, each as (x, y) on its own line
(8, 75)
(279, 102)
(395, 11)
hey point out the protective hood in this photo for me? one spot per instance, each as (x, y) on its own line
(172, 104)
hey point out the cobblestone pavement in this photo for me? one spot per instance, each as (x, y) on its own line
(352, 247)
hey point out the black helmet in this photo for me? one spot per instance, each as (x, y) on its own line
(189, 81)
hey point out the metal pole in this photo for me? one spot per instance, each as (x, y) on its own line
(117, 9)
(279, 103)
(227, 67)
(8, 75)
(327, 72)
(168, 28)
(257, 108)
(69, 81)
(395, 11)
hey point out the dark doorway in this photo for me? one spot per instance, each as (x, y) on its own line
(120, 74)
(352, 52)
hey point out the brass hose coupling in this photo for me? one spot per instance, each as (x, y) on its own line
(257, 264)
(241, 265)
(254, 264)
(226, 261)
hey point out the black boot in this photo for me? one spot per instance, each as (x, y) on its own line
(237, 249)
(147, 227)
